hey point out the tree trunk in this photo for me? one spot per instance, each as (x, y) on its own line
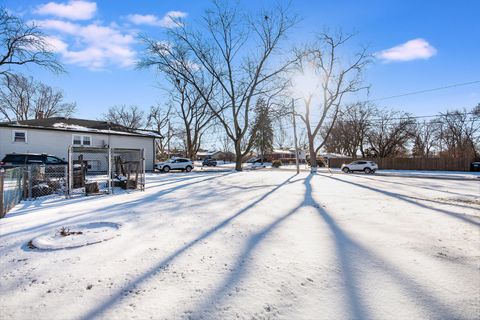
(362, 151)
(313, 154)
(238, 156)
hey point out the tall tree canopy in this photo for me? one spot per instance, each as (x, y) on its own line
(129, 116)
(23, 44)
(234, 51)
(23, 98)
(324, 79)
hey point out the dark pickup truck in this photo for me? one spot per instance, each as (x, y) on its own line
(21, 159)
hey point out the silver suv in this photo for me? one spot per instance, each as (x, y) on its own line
(360, 165)
(183, 164)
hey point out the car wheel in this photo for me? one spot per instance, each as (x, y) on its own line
(346, 170)
(166, 169)
(367, 170)
(188, 168)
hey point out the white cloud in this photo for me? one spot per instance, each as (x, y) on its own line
(56, 44)
(410, 50)
(58, 25)
(170, 20)
(73, 10)
(148, 19)
(93, 46)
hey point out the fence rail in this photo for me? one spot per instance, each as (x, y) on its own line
(105, 170)
(444, 164)
(89, 171)
(11, 189)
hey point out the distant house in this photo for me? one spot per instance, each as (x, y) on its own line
(330, 155)
(286, 155)
(202, 155)
(217, 155)
(55, 135)
(174, 153)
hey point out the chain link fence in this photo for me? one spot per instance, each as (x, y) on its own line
(89, 168)
(90, 171)
(105, 170)
(45, 181)
(31, 182)
(128, 169)
(11, 189)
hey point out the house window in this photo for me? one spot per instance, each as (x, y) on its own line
(19, 136)
(77, 140)
(80, 140)
(86, 140)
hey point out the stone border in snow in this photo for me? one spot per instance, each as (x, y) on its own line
(83, 235)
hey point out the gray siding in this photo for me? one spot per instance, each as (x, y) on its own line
(57, 143)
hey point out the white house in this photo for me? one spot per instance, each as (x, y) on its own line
(55, 135)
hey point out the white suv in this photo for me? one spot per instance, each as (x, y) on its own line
(360, 165)
(183, 164)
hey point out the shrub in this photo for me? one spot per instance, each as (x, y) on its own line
(276, 163)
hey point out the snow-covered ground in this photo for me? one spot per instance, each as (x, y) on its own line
(455, 175)
(260, 244)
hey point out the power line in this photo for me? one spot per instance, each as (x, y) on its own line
(397, 96)
(313, 122)
(426, 90)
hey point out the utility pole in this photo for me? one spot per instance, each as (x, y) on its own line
(168, 140)
(295, 136)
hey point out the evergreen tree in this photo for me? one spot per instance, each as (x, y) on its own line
(264, 130)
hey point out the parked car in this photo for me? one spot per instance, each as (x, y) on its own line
(20, 159)
(360, 165)
(209, 162)
(183, 164)
(256, 160)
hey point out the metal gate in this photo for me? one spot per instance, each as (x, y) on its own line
(94, 170)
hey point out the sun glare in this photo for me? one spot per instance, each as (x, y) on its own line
(305, 83)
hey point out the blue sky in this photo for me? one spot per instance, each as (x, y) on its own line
(424, 44)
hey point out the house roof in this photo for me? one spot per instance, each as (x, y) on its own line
(207, 153)
(334, 155)
(281, 151)
(80, 125)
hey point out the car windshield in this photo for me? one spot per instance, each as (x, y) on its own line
(170, 161)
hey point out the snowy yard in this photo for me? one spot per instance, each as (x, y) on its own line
(253, 245)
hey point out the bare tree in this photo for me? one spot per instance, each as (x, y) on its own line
(23, 98)
(348, 133)
(281, 137)
(219, 50)
(476, 111)
(193, 112)
(390, 134)
(460, 132)
(159, 120)
(336, 78)
(425, 138)
(23, 44)
(128, 116)
(226, 144)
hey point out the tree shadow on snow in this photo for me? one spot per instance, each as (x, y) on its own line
(104, 306)
(421, 187)
(408, 199)
(350, 255)
(126, 205)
